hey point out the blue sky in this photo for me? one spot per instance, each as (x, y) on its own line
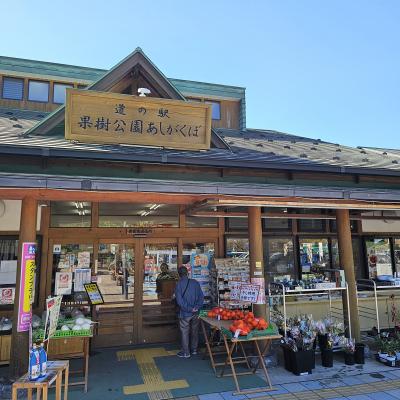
(322, 69)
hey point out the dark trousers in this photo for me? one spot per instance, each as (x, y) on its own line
(189, 327)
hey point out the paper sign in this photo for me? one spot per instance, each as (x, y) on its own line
(235, 290)
(7, 295)
(63, 283)
(84, 259)
(249, 293)
(53, 312)
(384, 269)
(57, 249)
(26, 287)
(82, 276)
(8, 266)
(258, 264)
(260, 282)
(94, 293)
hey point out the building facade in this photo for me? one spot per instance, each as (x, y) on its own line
(119, 210)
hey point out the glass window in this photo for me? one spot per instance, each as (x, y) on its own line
(276, 224)
(116, 272)
(236, 224)
(278, 259)
(237, 247)
(396, 246)
(311, 225)
(379, 257)
(215, 109)
(70, 214)
(314, 255)
(134, 215)
(59, 92)
(201, 222)
(38, 91)
(357, 257)
(13, 88)
(72, 264)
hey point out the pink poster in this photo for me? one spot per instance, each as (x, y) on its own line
(26, 287)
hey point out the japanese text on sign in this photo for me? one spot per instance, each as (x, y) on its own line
(94, 293)
(113, 118)
(249, 293)
(28, 268)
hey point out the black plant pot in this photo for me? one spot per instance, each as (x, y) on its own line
(349, 358)
(299, 362)
(327, 358)
(322, 341)
(359, 355)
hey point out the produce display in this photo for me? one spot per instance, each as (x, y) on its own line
(243, 321)
(75, 325)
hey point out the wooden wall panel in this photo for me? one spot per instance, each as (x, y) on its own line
(230, 115)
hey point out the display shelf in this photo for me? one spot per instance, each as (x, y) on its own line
(278, 291)
(370, 286)
(225, 273)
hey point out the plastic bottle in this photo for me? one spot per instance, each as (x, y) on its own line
(42, 360)
(34, 364)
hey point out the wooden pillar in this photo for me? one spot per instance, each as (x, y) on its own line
(347, 263)
(20, 340)
(256, 252)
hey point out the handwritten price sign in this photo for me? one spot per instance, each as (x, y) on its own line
(249, 293)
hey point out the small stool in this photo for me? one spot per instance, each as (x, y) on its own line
(55, 371)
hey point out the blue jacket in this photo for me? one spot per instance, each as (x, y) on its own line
(193, 297)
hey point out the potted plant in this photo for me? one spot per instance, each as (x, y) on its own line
(298, 345)
(359, 355)
(327, 352)
(349, 350)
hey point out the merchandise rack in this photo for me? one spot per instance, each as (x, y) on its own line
(281, 293)
(370, 285)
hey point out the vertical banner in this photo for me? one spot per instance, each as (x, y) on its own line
(26, 286)
(53, 305)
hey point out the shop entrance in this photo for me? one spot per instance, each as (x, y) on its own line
(138, 306)
(137, 288)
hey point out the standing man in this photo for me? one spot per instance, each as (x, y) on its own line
(189, 298)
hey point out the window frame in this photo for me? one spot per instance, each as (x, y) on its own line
(12, 78)
(210, 101)
(48, 90)
(69, 85)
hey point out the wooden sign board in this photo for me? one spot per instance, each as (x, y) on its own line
(99, 117)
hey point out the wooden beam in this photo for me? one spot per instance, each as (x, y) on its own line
(256, 253)
(298, 202)
(272, 215)
(82, 195)
(347, 263)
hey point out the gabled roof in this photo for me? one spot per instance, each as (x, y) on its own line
(106, 81)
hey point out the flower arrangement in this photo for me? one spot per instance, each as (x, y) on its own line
(348, 345)
(332, 330)
(301, 333)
